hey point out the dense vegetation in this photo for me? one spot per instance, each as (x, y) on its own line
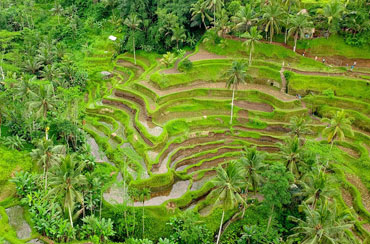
(197, 121)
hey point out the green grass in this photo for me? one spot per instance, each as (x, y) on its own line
(11, 161)
(334, 45)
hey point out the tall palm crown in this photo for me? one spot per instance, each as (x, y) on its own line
(291, 152)
(317, 185)
(228, 184)
(199, 10)
(178, 35)
(244, 18)
(298, 126)
(338, 125)
(333, 10)
(253, 38)
(24, 87)
(47, 154)
(271, 18)
(234, 76)
(322, 225)
(65, 181)
(215, 6)
(252, 161)
(133, 22)
(43, 101)
(299, 25)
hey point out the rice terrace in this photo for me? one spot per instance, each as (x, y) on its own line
(184, 121)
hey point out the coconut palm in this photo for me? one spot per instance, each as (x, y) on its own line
(51, 72)
(252, 161)
(244, 18)
(178, 35)
(199, 10)
(144, 194)
(316, 185)
(332, 12)
(234, 76)
(223, 26)
(339, 124)
(228, 184)
(322, 225)
(298, 126)
(299, 25)
(133, 22)
(24, 87)
(43, 101)
(57, 10)
(46, 155)
(215, 6)
(65, 181)
(271, 18)
(253, 38)
(32, 65)
(291, 153)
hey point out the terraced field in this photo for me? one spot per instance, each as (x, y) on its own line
(173, 127)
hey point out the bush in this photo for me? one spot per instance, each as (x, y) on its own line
(328, 92)
(92, 226)
(185, 65)
(185, 231)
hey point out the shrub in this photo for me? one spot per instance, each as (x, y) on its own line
(185, 65)
(92, 226)
(328, 92)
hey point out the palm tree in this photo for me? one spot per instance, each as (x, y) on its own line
(298, 126)
(144, 194)
(46, 155)
(291, 152)
(178, 35)
(57, 10)
(24, 87)
(133, 22)
(228, 184)
(271, 18)
(235, 75)
(253, 38)
(299, 25)
(216, 6)
(317, 185)
(244, 18)
(332, 11)
(322, 225)
(199, 10)
(65, 181)
(32, 65)
(252, 161)
(44, 101)
(3, 107)
(338, 125)
(51, 72)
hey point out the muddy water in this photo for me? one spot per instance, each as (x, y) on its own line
(177, 190)
(16, 220)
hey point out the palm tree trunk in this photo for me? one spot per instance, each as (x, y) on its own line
(250, 56)
(295, 42)
(271, 32)
(286, 35)
(232, 107)
(270, 219)
(214, 15)
(143, 218)
(219, 231)
(133, 44)
(70, 216)
(101, 202)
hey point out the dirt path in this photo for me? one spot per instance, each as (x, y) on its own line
(17, 221)
(221, 85)
(202, 54)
